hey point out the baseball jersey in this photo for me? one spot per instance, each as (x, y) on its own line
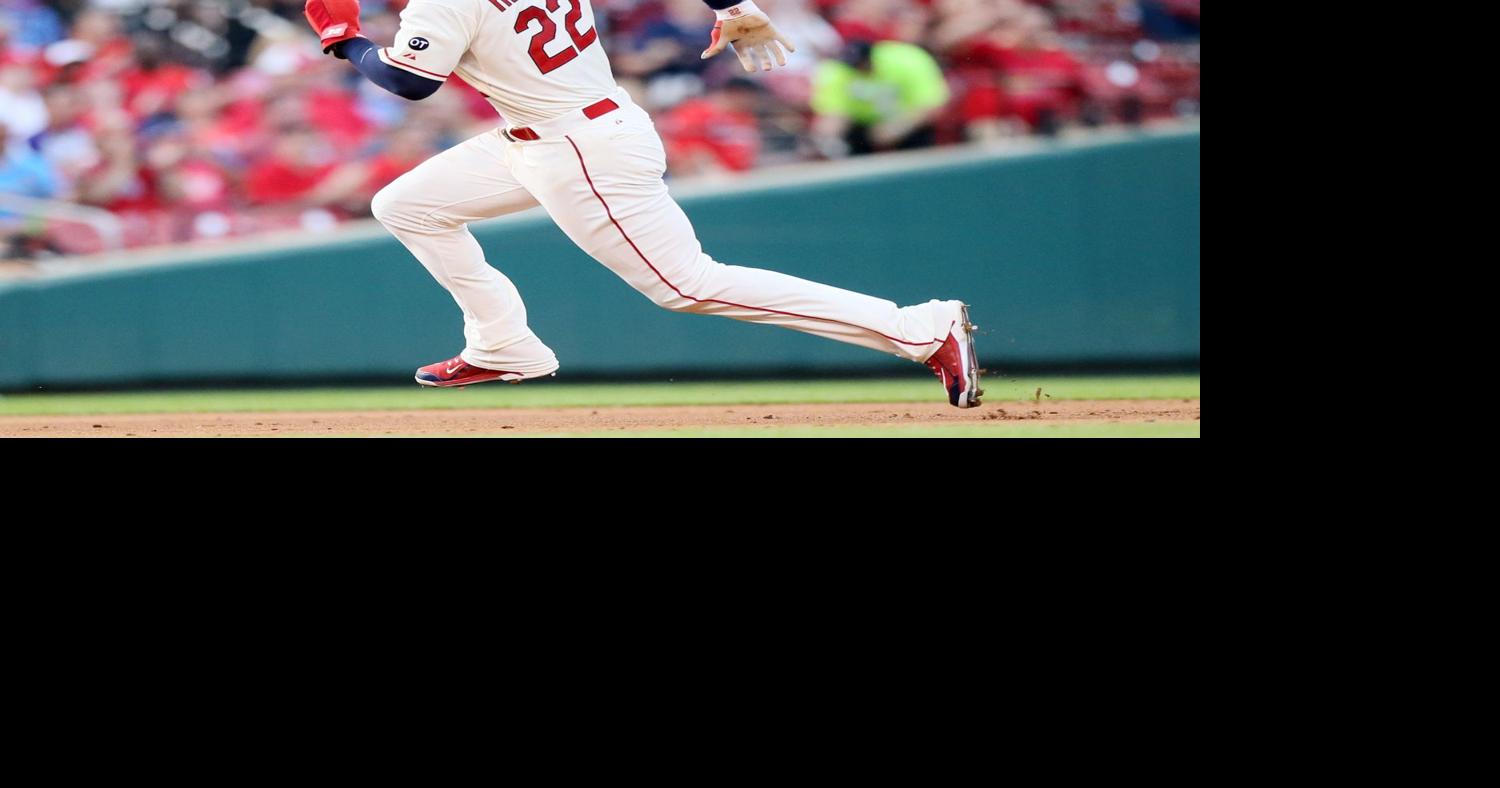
(533, 59)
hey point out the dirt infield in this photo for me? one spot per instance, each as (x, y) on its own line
(588, 420)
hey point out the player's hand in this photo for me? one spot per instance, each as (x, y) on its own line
(754, 38)
(333, 20)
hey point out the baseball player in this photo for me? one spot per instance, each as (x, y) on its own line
(577, 145)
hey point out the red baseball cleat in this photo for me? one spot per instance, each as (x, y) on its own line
(956, 365)
(457, 372)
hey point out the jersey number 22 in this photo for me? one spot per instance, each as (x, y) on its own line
(547, 30)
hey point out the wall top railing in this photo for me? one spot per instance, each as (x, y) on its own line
(18, 209)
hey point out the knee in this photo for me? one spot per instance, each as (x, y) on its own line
(671, 300)
(695, 279)
(396, 208)
(388, 207)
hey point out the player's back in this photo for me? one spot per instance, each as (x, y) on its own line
(533, 59)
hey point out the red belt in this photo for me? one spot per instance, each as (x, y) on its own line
(591, 112)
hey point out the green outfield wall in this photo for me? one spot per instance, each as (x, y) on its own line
(1069, 252)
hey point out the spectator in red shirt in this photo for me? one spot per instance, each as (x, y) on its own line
(303, 171)
(98, 43)
(188, 178)
(153, 85)
(716, 133)
(334, 110)
(215, 125)
(9, 55)
(119, 183)
(881, 20)
(1038, 81)
(407, 147)
(296, 165)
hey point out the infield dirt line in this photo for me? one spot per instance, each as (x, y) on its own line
(574, 420)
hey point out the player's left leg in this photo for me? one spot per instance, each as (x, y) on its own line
(429, 210)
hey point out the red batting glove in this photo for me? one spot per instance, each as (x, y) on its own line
(713, 41)
(333, 20)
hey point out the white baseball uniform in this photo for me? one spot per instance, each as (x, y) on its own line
(579, 147)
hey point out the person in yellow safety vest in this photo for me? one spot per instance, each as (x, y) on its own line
(881, 96)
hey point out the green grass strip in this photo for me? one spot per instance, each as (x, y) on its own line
(553, 394)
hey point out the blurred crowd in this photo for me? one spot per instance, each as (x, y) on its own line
(204, 119)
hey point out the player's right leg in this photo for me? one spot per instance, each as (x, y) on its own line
(429, 210)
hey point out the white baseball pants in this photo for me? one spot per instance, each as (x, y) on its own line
(601, 181)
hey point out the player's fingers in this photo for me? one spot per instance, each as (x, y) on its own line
(786, 42)
(775, 49)
(766, 64)
(747, 58)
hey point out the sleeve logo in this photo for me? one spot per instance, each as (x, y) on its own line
(419, 44)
